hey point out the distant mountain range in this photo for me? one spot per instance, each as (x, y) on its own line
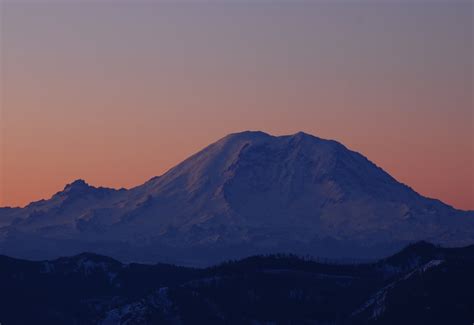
(422, 284)
(248, 193)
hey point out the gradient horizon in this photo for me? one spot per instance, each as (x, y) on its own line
(116, 93)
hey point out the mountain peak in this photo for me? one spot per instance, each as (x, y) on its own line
(248, 135)
(303, 137)
(263, 136)
(77, 185)
(302, 134)
(258, 134)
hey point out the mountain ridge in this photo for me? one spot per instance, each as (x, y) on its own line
(423, 283)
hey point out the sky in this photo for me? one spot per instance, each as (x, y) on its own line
(116, 92)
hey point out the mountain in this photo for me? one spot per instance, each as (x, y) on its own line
(422, 284)
(248, 193)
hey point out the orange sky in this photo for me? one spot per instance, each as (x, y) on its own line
(118, 93)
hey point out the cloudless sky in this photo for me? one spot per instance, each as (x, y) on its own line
(118, 92)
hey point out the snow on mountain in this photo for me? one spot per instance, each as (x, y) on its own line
(247, 193)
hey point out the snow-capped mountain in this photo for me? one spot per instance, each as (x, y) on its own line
(247, 193)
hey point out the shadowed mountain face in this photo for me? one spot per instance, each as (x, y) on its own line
(423, 284)
(247, 193)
